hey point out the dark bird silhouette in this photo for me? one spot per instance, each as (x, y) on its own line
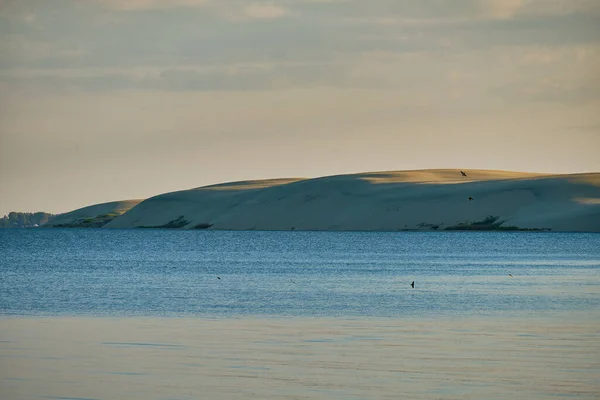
(412, 284)
(471, 199)
(463, 173)
(218, 277)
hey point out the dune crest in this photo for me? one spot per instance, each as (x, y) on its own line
(382, 201)
(441, 176)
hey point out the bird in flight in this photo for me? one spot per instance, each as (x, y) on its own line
(510, 275)
(463, 173)
(218, 277)
(471, 199)
(412, 284)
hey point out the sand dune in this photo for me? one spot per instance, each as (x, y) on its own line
(382, 201)
(93, 216)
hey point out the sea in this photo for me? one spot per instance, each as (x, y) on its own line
(93, 314)
(180, 273)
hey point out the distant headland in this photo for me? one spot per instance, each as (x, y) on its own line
(420, 200)
(25, 219)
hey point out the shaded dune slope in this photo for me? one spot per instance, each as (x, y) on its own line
(383, 201)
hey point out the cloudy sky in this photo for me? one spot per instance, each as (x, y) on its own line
(105, 100)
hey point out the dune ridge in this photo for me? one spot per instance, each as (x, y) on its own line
(382, 201)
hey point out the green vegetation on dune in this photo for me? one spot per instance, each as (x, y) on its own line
(90, 222)
(490, 223)
(177, 223)
(203, 226)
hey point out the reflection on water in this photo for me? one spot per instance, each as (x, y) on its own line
(306, 358)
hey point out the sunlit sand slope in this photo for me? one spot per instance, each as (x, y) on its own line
(382, 201)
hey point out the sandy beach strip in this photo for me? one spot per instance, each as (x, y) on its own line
(300, 358)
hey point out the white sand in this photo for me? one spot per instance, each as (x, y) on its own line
(302, 358)
(388, 201)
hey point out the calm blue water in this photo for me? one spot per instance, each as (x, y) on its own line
(175, 273)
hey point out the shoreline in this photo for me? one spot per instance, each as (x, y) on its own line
(524, 230)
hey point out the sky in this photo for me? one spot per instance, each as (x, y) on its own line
(104, 100)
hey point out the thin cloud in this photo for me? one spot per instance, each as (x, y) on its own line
(233, 10)
(502, 8)
(239, 11)
(265, 11)
(130, 5)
